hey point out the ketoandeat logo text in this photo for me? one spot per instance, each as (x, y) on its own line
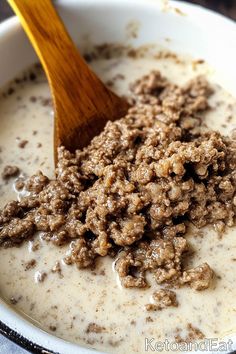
(209, 344)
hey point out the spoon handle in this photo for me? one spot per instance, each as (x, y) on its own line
(50, 40)
(78, 94)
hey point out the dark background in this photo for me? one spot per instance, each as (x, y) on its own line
(226, 7)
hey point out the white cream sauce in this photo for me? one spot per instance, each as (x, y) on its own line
(65, 304)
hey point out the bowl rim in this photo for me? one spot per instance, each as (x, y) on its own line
(9, 26)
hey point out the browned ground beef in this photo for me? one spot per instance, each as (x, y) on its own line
(162, 298)
(193, 334)
(10, 171)
(135, 188)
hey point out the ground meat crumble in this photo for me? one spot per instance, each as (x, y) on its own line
(132, 192)
(193, 334)
(10, 171)
(162, 299)
(94, 328)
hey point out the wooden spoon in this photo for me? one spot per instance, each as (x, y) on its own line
(82, 103)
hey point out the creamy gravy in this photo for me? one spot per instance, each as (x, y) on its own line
(66, 303)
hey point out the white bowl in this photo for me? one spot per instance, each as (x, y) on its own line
(192, 30)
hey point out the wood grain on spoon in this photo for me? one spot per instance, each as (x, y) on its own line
(82, 103)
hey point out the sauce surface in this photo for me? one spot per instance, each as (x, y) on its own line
(69, 302)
